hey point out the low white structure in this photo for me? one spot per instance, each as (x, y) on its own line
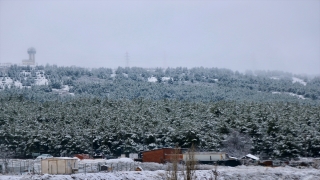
(59, 165)
(207, 156)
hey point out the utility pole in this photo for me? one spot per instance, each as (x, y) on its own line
(127, 59)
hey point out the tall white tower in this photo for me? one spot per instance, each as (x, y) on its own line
(32, 52)
(31, 61)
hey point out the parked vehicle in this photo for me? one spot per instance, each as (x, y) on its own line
(44, 156)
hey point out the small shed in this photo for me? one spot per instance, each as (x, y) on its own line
(161, 155)
(59, 165)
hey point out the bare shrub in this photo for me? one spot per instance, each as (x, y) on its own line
(316, 164)
(191, 163)
(237, 144)
(215, 172)
(173, 166)
(5, 155)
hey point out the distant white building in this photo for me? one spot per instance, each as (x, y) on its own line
(5, 64)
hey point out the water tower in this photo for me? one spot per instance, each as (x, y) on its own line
(32, 52)
(31, 61)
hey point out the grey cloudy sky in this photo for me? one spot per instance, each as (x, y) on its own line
(238, 35)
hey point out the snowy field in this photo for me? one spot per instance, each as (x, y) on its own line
(224, 173)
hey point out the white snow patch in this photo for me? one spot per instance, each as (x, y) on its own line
(291, 94)
(7, 80)
(166, 78)
(299, 96)
(25, 73)
(41, 81)
(66, 88)
(63, 91)
(152, 79)
(294, 80)
(276, 78)
(18, 84)
(120, 160)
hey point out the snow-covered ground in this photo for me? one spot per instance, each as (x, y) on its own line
(294, 80)
(120, 160)
(275, 78)
(291, 94)
(224, 173)
(299, 96)
(40, 79)
(165, 78)
(155, 171)
(152, 79)
(64, 90)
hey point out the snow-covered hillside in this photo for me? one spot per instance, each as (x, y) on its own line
(294, 80)
(37, 79)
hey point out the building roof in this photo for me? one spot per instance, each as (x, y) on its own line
(158, 149)
(252, 156)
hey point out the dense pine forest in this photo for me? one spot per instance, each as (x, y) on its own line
(68, 110)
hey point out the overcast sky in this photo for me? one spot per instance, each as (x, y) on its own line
(238, 35)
